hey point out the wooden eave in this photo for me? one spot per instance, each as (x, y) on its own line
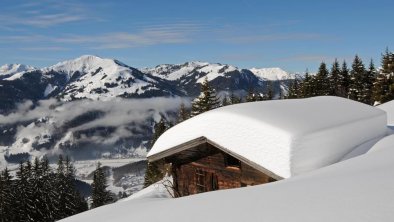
(202, 140)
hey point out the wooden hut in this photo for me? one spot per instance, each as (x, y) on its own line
(260, 142)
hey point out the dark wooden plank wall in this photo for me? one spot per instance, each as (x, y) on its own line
(213, 164)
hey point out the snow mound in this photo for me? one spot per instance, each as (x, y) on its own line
(272, 74)
(359, 189)
(285, 137)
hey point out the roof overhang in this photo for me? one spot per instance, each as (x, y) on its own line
(202, 140)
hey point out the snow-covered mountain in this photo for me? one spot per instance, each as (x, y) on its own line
(180, 71)
(96, 78)
(60, 118)
(222, 77)
(272, 74)
(8, 70)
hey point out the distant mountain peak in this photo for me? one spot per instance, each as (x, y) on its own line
(274, 73)
(11, 69)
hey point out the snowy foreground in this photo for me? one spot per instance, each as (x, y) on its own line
(358, 189)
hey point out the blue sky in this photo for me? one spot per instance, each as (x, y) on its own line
(294, 35)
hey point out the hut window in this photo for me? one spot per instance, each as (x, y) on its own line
(231, 161)
(200, 181)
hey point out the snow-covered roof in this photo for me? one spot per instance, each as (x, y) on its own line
(388, 107)
(285, 137)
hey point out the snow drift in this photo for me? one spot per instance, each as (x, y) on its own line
(286, 137)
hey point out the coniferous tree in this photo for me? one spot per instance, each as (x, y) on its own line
(61, 190)
(100, 195)
(206, 101)
(25, 204)
(369, 78)
(183, 114)
(34, 194)
(357, 76)
(7, 197)
(294, 89)
(335, 79)
(306, 89)
(270, 91)
(383, 86)
(225, 101)
(322, 83)
(153, 174)
(234, 99)
(345, 80)
(159, 129)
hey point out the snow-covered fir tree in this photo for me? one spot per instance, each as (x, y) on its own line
(335, 79)
(357, 76)
(322, 82)
(183, 113)
(344, 80)
(206, 101)
(100, 194)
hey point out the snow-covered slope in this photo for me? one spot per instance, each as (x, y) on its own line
(97, 78)
(176, 72)
(272, 74)
(222, 77)
(294, 136)
(359, 189)
(9, 70)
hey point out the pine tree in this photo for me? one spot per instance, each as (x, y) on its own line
(357, 76)
(100, 196)
(306, 88)
(369, 78)
(153, 174)
(225, 101)
(234, 99)
(294, 89)
(183, 114)
(270, 91)
(159, 129)
(335, 79)
(383, 86)
(344, 80)
(206, 101)
(60, 185)
(7, 197)
(322, 84)
(25, 205)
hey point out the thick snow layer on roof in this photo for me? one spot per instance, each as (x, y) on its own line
(359, 189)
(285, 137)
(389, 109)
